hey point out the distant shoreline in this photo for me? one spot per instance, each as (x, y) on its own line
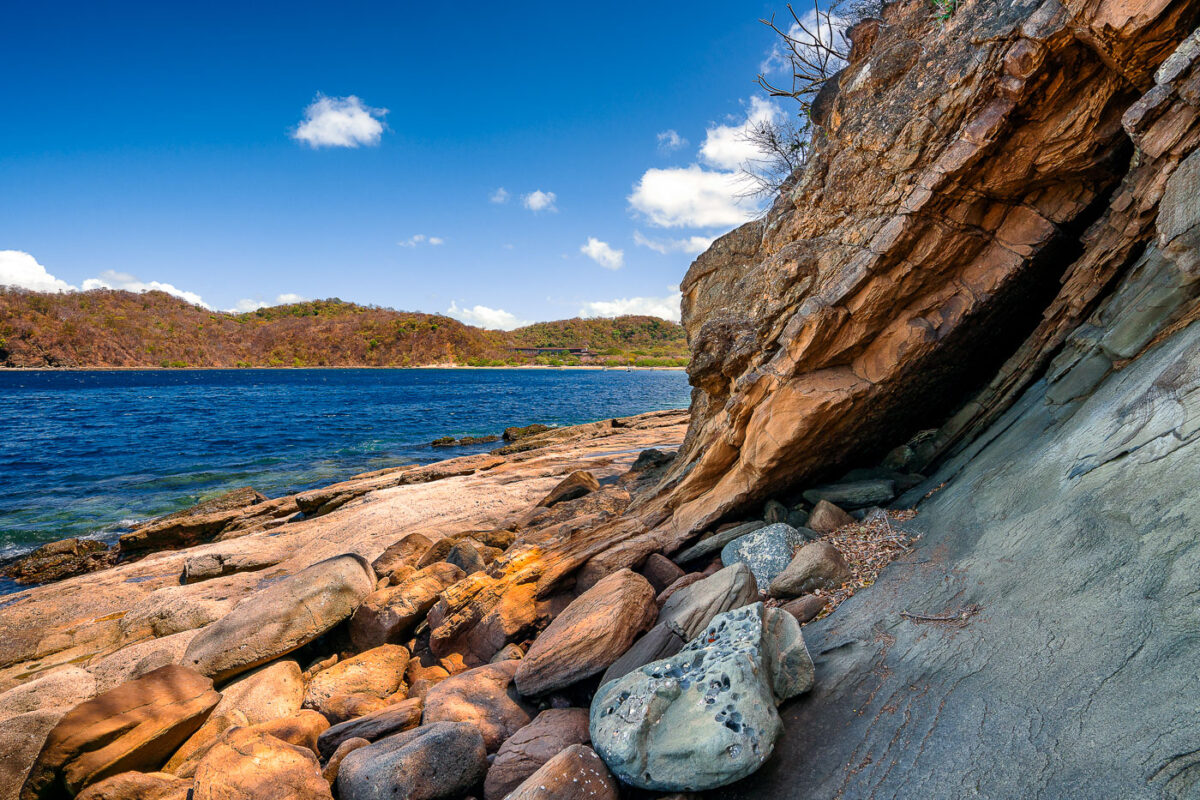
(273, 369)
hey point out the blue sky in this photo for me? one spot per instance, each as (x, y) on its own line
(166, 144)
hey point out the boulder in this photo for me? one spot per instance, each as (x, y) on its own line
(404, 553)
(466, 556)
(485, 697)
(854, 494)
(334, 764)
(827, 518)
(207, 566)
(694, 606)
(390, 614)
(705, 717)
(436, 761)
(342, 707)
(817, 565)
(551, 732)
(132, 727)
(138, 786)
(268, 693)
(662, 641)
(302, 729)
(715, 542)
(251, 765)
(767, 551)
(282, 617)
(806, 608)
(592, 633)
(798, 519)
(397, 717)
(378, 672)
(575, 485)
(436, 552)
(660, 571)
(576, 773)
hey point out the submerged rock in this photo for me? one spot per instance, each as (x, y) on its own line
(706, 716)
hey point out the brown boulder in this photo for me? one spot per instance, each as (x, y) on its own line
(404, 553)
(806, 608)
(577, 484)
(551, 732)
(138, 786)
(576, 773)
(378, 672)
(397, 717)
(341, 707)
(390, 614)
(251, 765)
(302, 729)
(589, 635)
(485, 697)
(466, 556)
(816, 565)
(826, 517)
(660, 571)
(132, 727)
(347, 747)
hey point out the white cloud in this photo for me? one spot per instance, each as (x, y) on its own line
(20, 269)
(665, 307)
(670, 140)
(111, 279)
(603, 254)
(540, 201)
(692, 245)
(340, 122)
(246, 305)
(830, 32)
(484, 317)
(692, 197)
(421, 238)
(499, 196)
(727, 146)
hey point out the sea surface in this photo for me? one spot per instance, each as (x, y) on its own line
(91, 453)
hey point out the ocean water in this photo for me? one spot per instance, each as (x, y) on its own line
(90, 453)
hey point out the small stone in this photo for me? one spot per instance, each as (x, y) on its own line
(575, 485)
(389, 615)
(827, 518)
(403, 553)
(510, 652)
(660, 571)
(466, 556)
(817, 565)
(798, 519)
(138, 786)
(806, 608)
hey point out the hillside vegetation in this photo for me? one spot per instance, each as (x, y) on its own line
(108, 328)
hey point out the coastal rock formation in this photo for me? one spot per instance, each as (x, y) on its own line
(705, 717)
(282, 617)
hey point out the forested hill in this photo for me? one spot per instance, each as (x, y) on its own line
(107, 328)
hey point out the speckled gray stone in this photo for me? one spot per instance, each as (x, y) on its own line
(767, 551)
(706, 716)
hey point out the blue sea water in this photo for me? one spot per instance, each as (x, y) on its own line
(90, 453)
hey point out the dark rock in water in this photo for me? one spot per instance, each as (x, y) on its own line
(58, 560)
(442, 760)
(517, 433)
(856, 494)
(450, 441)
(575, 485)
(444, 441)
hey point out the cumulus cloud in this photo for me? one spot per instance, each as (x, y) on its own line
(692, 197)
(20, 269)
(421, 238)
(500, 196)
(603, 254)
(670, 140)
(665, 307)
(728, 147)
(247, 305)
(484, 317)
(540, 201)
(111, 279)
(340, 122)
(692, 245)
